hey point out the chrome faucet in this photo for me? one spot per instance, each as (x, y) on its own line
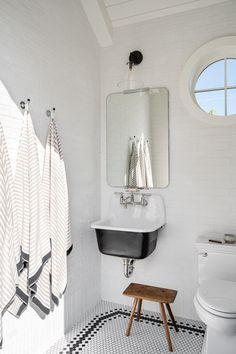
(130, 200)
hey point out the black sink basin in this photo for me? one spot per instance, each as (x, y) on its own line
(135, 245)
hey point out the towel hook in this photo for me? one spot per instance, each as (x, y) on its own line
(23, 104)
(50, 113)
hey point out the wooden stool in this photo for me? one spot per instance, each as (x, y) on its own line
(142, 292)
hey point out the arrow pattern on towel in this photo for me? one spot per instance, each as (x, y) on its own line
(55, 192)
(59, 219)
(35, 229)
(32, 219)
(140, 169)
(135, 172)
(9, 248)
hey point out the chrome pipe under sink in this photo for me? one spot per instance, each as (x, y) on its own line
(128, 267)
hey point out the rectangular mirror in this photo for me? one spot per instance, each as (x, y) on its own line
(137, 138)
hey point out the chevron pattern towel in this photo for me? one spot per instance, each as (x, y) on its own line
(148, 166)
(142, 176)
(140, 170)
(32, 219)
(135, 177)
(60, 227)
(35, 232)
(59, 219)
(9, 245)
(54, 187)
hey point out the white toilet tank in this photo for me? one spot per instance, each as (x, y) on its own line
(215, 260)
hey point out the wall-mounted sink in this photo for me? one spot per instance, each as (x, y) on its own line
(130, 232)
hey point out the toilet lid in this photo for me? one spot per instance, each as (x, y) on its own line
(219, 295)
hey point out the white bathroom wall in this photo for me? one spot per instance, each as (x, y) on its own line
(201, 196)
(49, 54)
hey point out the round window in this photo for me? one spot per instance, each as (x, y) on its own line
(208, 82)
(215, 88)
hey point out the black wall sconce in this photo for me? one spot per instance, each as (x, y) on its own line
(135, 58)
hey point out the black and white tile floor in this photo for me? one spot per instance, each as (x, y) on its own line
(102, 331)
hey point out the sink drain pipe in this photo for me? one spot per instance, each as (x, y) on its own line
(128, 267)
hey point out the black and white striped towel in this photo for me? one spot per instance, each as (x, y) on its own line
(9, 245)
(53, 280)
(135, 171)
(56, 192)
(148, 166)
(140, 168)
(142, 179)
(32, 219)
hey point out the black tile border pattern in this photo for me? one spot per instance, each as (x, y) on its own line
(89, 331)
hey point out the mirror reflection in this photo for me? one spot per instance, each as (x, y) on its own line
(137, 138)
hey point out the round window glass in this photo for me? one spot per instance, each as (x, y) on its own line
(215, 88)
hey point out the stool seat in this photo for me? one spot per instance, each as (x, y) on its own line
(140, 292)
(150, 293)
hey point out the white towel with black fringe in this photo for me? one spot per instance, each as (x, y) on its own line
(10, 261)
(142, 177)
(55, 192)
(32, 219)
(135, 174)
(148, 166)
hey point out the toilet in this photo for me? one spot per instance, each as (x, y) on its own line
(215, 299)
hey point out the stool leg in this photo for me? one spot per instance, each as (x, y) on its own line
(163, 315)
(131, 317)
(139, 308)
(172, 317)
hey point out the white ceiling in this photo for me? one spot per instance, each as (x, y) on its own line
(118, 13)
(124, 12)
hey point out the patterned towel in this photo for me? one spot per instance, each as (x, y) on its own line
(9, 244)
(148, 166)
(135, 171)
(140, 169)
(54, 186)
(60, 227)
(142, 177)
(32, 220)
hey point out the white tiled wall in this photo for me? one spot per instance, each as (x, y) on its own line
(48, 53)
(201, 196)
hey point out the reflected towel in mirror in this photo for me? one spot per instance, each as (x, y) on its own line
(140, 170)
(148, 166)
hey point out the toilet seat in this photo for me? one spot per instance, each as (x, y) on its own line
(218, 297)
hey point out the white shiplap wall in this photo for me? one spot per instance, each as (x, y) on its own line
(201, 196)
(48, 53)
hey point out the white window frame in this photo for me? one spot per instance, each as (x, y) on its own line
(209, 53)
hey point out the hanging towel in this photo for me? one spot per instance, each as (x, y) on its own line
(148, 166)
(132, 182)
(135, 173)
(42, 296)
(9, 245)
(142, 181)
(56, 197)
(140, 168)
(32, 218)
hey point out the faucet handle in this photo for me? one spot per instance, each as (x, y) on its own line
(119, 193)
(144, 201)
